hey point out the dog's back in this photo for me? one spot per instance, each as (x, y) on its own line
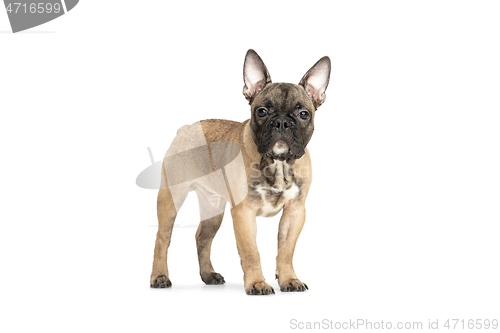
(204, 158)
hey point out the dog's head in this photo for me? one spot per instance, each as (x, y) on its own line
(282, 119)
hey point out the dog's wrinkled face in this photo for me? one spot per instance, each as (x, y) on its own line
(282, 119)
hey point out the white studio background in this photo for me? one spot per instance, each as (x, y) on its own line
(403, 214)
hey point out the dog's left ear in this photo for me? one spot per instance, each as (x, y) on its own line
(316, 80)
(255, 75)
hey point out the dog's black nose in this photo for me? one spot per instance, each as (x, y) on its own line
(281, 123)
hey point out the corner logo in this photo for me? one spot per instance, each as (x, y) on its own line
(28, 14)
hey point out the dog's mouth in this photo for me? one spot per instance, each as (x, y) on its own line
(280, 148)
(280, 140)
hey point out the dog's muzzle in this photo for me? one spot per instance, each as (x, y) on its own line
(281, 139)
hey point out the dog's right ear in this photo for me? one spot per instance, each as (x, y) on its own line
(255, 75)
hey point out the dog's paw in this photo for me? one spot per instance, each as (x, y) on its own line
(161, 282)
(293, 285)
(212, 278)
(259, 288)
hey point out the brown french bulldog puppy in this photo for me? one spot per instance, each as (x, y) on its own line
(260, 166)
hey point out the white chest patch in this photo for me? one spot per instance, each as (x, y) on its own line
(276, 195)
(273, 204)
(291, 193)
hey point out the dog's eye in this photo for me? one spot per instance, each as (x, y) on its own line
(261, 112)
(304, 114)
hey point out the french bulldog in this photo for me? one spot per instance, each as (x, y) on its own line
(260, 166)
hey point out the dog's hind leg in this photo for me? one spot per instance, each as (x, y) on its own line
(211, 219)
(167, 212)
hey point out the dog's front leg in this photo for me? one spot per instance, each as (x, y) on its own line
(245, 230)
(291, 223)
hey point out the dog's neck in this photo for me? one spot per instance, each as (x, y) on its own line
(276, 174)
